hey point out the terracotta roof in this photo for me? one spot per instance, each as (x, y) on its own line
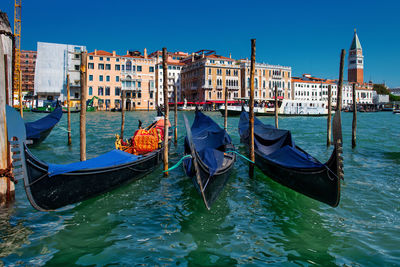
(133, 56)
(299, 80)
(175, 63)
(101, 53)
(219, 57)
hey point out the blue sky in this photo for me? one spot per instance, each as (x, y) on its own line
(306, 35)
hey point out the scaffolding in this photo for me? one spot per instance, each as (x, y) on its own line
(17, 87)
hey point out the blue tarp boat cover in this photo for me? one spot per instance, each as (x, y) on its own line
(35, 128)
(112, 158)
(207, 138)
(276, 145)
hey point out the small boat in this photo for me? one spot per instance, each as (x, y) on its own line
(38, 130)
(396, 111)
(279, 158)
(212, 156)
(52, 186)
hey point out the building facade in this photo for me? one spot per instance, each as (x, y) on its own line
(138, 81)
(266, 77)
(206, 76)
(28, 62)
(54, 62)
(308, 88)
(104, 79)
(174, 75)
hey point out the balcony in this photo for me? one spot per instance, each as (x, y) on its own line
(219, 87)
(233, 87)
(193, 88)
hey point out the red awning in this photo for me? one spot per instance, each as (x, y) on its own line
(222, 101)
(173, 103)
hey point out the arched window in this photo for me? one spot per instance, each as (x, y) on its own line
(128, 65)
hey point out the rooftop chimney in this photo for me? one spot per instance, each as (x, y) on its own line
(114, 54)
(145, 53)
(230, 55)
(95, 52)
(192, 57)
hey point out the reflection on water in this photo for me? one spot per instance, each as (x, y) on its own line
(13, 233)
(162, 220)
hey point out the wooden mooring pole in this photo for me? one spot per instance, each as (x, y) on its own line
(226, 110)
(122, 114)
(69, 111)
(354, 126)
(83, 106)
(251, 107)
(340, 83)
(276, 107)
(166, 108)
(176, 116)
(329, 121)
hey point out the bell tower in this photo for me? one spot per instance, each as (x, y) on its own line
(355, 72)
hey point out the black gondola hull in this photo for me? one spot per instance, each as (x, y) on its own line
(214, 185)
(318, 183)
(50, 193)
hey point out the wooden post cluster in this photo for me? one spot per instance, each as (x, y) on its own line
(69, 111)
(329, 130)
(176, 116)
(226, 110)
(251, 106)
(83, 106)
(166, 108)
(354, 125)
(276, 106)
(122, 114)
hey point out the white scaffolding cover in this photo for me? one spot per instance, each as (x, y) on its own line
(52, 68)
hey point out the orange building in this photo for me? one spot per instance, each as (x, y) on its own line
(206, 76)
(104, 79)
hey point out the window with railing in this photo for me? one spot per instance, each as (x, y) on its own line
(128, 65)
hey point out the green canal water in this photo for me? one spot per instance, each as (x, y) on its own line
(162, 221)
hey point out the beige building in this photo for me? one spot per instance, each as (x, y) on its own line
(138, 80)
(104, 79)
(265, 78)
(206, 76)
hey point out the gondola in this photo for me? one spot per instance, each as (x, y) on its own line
(211, 161)
(38, 130)
(280, 159)
(52, 186)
